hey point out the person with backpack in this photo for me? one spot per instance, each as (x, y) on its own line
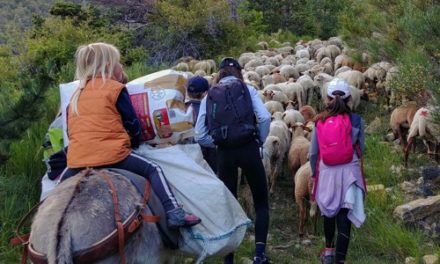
(233, 118)
(197, 88)
(102, 127)
(336, 159)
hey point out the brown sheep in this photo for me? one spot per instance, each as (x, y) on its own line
(299, 149)
(303, 190)
(309, 114)
(400, 121)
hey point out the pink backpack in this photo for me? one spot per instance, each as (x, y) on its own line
(334, 138)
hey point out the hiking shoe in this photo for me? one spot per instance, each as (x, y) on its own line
(327, 256)
(327, 259)
(261, 260)
(179, 218)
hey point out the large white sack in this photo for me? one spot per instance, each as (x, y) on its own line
(66, 92)
(159, 102)
(224, 222)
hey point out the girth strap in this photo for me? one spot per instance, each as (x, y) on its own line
(118, 220)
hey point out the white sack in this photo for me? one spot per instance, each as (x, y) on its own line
(224, 222)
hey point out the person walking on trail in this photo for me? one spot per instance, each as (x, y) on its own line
(197, 87)
(102, 127)
(227, 120)
(336, 159)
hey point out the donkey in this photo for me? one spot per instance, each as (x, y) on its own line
(80, 212)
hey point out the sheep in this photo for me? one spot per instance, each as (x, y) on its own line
(299, 149)
(303, 53)
(400, 120)
(200, 73)
(355, 78)
(252, 76)
(391, 75)
(308, 86)
(262, 70)
(309, 113)
(321, 53)
(245, 58)
(273, 79)
(336, 41)
(181, 66)
(356, 96)
(274, 106)
(272, 61)
(288, 71)
(343, 60)
(253, 63)
(293, 91)
(277, 116)
(285, 50)
(423, 126)
(203, 66)
(279, 143)
(289, 60)
(263, 45)
(291, 117)
(275, 96)
(272, 161)
(321, 82)
(303, 191)
(334, 51)
(301, 67)
(342, 69)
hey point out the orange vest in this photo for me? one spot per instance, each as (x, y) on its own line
(97, 136)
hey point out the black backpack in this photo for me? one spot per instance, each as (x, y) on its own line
(230, 115)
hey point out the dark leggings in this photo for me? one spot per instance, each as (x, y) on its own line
(145, 168)
(344, 225)
(248, 159)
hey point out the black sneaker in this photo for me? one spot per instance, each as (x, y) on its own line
(261, 260)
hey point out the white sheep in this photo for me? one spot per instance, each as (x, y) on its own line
(273, 78)
(424, 127)
(303, 53)
(289, 71)
(272, 160)
(291, 117)
(262, 70)
(274, 106)
(355, 78)
(253, 63)
(308, 86)
(342, 69)
(278, 130)
(273, 95)
(294, 92)
(252, 76)
(246, 57)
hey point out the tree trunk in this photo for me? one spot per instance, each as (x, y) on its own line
(233, 4)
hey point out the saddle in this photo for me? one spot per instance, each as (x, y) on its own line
(115, 241)
(170, 237)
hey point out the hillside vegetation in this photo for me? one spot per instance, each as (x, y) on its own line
(38, 41)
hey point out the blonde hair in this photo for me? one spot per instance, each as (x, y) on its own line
(93, 60)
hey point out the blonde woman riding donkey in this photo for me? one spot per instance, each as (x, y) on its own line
(103, 128)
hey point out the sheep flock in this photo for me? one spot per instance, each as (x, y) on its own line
(292, 82)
